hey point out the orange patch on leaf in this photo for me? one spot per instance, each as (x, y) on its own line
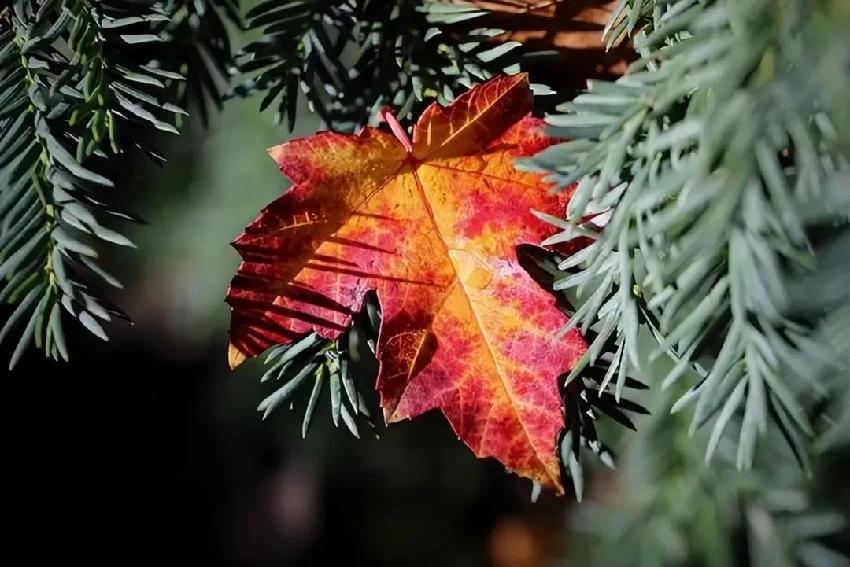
(433, 231)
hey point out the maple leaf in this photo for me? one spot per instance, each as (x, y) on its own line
(431, 225)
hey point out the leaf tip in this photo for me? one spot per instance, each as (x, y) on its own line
(235, 357)
(276, 152)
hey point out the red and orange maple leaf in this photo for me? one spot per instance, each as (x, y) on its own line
(432, 226)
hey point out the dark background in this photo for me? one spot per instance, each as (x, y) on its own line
(147, 448)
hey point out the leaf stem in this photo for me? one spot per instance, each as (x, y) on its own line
(386, 114)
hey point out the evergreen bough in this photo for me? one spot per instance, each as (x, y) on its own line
(721, 163)
(712, 177)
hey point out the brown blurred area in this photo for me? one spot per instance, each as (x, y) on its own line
(572, 29)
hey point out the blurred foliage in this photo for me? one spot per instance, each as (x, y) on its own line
(668, 506)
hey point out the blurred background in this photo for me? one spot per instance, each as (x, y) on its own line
(148, 447)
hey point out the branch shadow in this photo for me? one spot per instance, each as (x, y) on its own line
(267, 275)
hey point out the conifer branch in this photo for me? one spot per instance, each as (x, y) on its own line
(712, 165)
(80, 83)
(197, 46)
(349, 58)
